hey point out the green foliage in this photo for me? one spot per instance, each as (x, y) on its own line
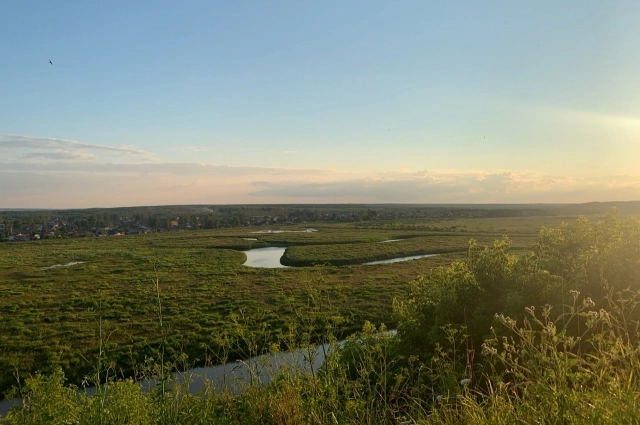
(595, 260)
(357, 253)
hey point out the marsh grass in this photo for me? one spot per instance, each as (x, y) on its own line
(537, 372)
(358, 253)
(49, 316)
(541, 369)
(563, 364)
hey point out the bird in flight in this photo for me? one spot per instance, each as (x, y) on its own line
(50, 62)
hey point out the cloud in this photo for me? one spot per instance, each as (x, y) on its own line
(12, 143)
(158, 168)
(610, 120)
(289, 152)
(56, 173)
(439, 187)
(191, 149)
(87, 185)
(64, 155)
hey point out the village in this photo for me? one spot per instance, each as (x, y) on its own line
(23, 226)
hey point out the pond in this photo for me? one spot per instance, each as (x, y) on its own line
(264, 257)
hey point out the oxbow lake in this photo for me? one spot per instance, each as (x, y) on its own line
(264, 257)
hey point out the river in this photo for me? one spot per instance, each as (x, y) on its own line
(233, 376)
(270, 258)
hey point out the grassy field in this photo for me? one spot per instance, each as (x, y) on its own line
(356, 253)
(53, 317)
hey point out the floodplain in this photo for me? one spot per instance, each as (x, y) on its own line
(105, 301)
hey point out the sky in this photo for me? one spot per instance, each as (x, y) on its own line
(251, 102)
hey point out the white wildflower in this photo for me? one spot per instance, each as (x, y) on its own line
(465, 381)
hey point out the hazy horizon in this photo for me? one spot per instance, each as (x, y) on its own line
(285, 102)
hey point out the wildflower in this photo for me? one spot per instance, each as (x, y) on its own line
(487, 350)
(465, 381)
(574, 293)
(530, 310)
(592, 318)
(439, 398)
(588, 302)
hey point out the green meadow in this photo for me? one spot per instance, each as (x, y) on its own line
(51, 317)
(540, 327)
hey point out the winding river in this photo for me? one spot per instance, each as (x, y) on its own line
(233, 376)
(270, 258)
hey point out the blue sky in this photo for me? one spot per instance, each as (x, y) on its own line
(290, 101)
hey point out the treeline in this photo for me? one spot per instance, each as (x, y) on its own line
(73, 223)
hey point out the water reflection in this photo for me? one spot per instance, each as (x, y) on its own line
(310, 230)
(397, 260)
(264, 257)
(72, 263)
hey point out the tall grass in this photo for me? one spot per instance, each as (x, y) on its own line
(536, 371)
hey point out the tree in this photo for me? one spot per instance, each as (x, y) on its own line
(153, 221)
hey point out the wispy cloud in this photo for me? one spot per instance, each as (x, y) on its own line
(425, 187)
(48, 185)
(604, 119)
(39, 172)
(66, 148)
(165, 168)
(191, 149)
(63, 155)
